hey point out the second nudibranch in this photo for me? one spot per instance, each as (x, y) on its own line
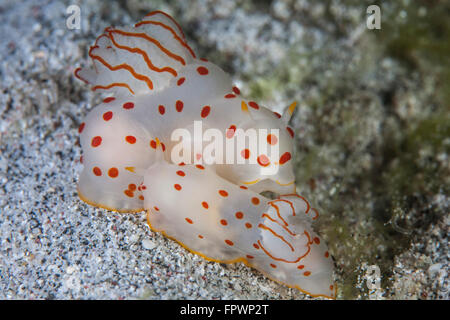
(156, 85)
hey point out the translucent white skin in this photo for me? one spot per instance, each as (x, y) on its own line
(157, 86)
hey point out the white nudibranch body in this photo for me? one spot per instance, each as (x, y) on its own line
(156, 85)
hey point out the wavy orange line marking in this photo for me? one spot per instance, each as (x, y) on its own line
(298, 196)
(263, 226)
(168, 16)
(152, 40)
(122, 66)
(114, 84)
(157, 23)
(278, 212)
(78, 76)
(150, 65)
(276, 221)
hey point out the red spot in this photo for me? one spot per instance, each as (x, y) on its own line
(109, 99)
(236, 90)
(230, 96)
(161, 109)
(200, 236)
(129, 193)
(239, 215)
(255, 246)
(113, 172)
(203, 59)
(107, 115)
(141, 197)
(263, 161)
(230, 131)
(181, 173)
(189, 221)
(291, 132)
(300, 267)
(156, 208)
(199, 166)
(132, 187)
(223, 193)
(223, 222)
(254, 105)
(243, 187)
(205, 205)
(143, 187)
(306, 273)
(229, 242)
(153, 144)
(255, 201)
(202, 71)
(205, 111)
(316, 240)
(130, 139)
(96, 141)
(272, 139)
(179, 105)
(248, 225)
(250, 257)
(331, 287)
(97, 171)
(327, 254)
(285, 157)
(181, 81)
(128, 105)
(177, 186)
(277, 114)
(182, 164)
(272, 265)
(81, 159)
(81, 127)
(163, 147)
(245, 153)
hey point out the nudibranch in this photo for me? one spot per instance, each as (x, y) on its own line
(156, 85)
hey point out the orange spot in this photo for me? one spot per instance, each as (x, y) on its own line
(177, 186)
(109, 99)
(107, 116)
(200, 236)
(250, 257)
(256, 246)
(161, 109)
(189, 221)
(199, 166)
(223, 222)
(245, 153)
(306, 273)
(327, 254)
(272, 265)
(81, 159)
(205, 205)
(316, 240)
(263, 161)
(291, 132)
(272, 139)
(179, 105)
(132, 187)
(156, 208)
(243, 187)
(202, 71)
(277, 114)
(128, 105)
(285, 158)
(255, 201)
(181, 173)
(81, 127)
(230, 131)
(331, 287)
(254, 105)
(96, 141)
(129, 193)
(141, 197)
(230, 96)
(205, 111)
(97, 171)
(236, 90)
(300, 267)
(239, 215)
(130, 139)
(113, 172)
(229, 242)
(223, 193)
(153, 144)
(181, 81)
(248, 225)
